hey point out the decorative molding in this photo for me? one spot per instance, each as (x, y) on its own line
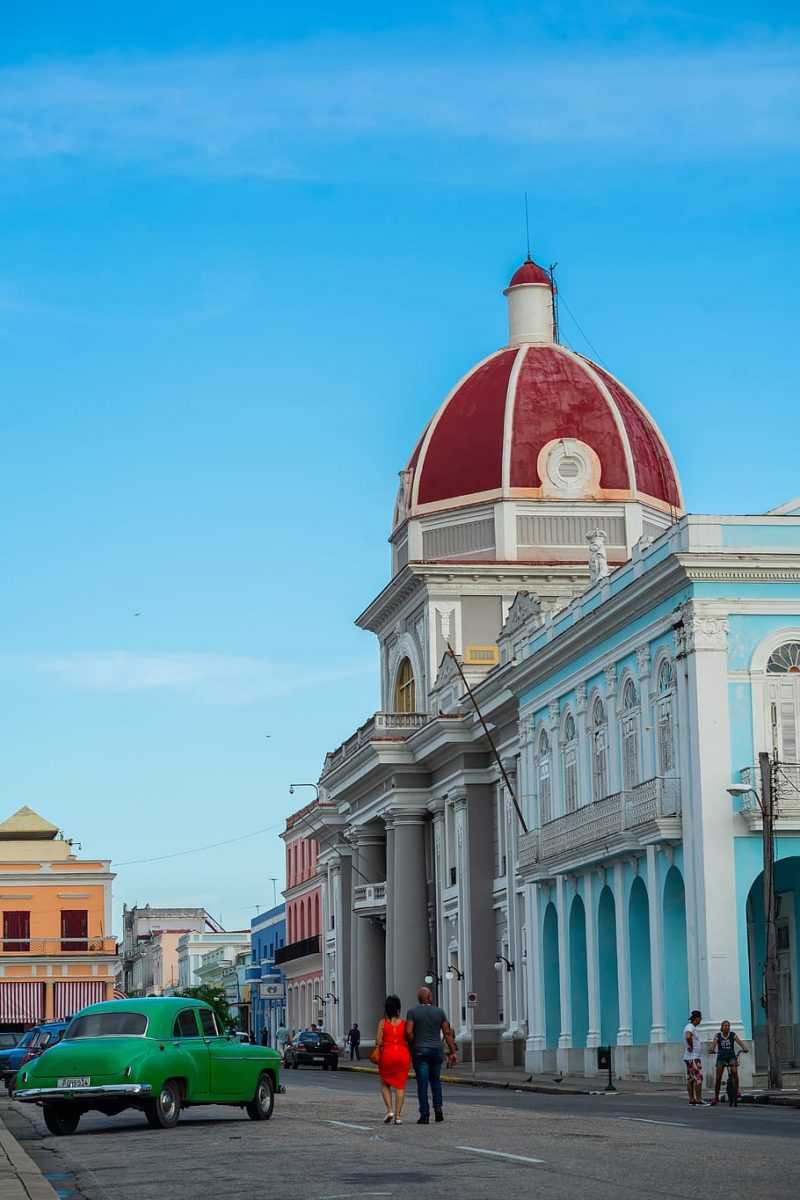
(703, 630)
(643, 661)
(552, 712)
(524, 608)
(611, 680)
(598, 555)
(580, 698)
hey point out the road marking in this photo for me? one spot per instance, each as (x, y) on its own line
(500, 1154)
(348, 1125)
(647, 1121)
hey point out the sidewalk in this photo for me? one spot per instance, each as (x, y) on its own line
(20, 1178)
(495, 1075)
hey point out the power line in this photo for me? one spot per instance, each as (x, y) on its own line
(131, 862)
(585, 337)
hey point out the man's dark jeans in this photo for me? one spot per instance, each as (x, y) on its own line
(428, 1069)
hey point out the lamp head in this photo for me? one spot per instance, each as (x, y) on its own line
(291, 789)
(429, 979)
(498, 964)
(448, 974)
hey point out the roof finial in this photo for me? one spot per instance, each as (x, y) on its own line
(527, 231)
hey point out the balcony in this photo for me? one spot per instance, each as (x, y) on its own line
(51, 946)
(380, 725)
(369, 900)
(622, 821)
(786, 801)
(299, 949)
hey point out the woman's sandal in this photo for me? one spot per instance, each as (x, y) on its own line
(387, 1120)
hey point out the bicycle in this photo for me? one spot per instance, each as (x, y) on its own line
(732, 1081)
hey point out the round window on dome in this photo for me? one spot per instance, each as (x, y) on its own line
(570, 467)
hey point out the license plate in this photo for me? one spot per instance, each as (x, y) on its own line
(73, 1081)
(319, 1058)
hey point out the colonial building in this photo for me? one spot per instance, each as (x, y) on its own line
(58, 952)
(150, 945)
(601, 880)
(267, 981)
(196, 945)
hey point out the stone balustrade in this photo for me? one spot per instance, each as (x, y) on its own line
(369, 899)
(786, 798)
(380, 724)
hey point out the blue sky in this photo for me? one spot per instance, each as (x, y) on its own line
(243, 255)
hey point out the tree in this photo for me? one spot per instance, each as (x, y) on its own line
(214, 996)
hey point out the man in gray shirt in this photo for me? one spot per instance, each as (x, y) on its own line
(426, 1025)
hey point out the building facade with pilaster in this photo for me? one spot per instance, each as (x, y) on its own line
(576, 860)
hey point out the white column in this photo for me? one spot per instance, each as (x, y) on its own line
(409, 904)
(535, 1045)
(333, 1012)
(564, 975)
(625, 1030)
(647, 732)
(592, 975)
(436, 808)
(556, 782)
(584, 747)
(658, 1033)
(614, 773)
(464, 922)
(515, 1016)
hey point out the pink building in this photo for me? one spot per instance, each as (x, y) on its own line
(301, 957)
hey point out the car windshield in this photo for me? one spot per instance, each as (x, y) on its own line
(107, 1024)
(26, 1038)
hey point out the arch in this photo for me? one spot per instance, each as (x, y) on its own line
(579, 975)
(552, 978)
(607, 953)
(405, 688)
(641, 986)
(406, 647)
(317, 927)
(787, 892)
(302, 921)
(676, 963)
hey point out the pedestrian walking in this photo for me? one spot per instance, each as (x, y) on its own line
(426, 1025)
(265, 1036)
(693, 1057)
(354, 1041)
(394, 1059)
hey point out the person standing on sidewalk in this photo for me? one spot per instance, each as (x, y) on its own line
(693, 1058)
(354, 1041)
(426, 1025)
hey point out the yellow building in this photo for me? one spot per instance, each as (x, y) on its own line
(56, 953)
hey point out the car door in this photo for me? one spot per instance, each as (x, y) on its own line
(225, 1060)
(188, 1039)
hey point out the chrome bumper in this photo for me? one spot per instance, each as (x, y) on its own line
(108, 1090)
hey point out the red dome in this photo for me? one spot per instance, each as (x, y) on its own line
(492, 436)
(530, 272)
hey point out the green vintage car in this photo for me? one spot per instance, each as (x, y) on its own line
(159, 1054)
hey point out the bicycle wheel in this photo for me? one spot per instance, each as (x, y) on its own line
(730, 1089)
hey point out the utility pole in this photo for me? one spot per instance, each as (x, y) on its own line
(775, 1078)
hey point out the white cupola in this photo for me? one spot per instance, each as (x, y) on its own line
(530, 306)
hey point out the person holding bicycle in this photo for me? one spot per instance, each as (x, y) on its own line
(725, 1043)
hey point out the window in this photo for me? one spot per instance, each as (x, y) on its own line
(185, 1024)
(74, 929)
(545, 782)
(17, 932)
(108, 1024)
(405, 691)
(570, 755)
(208, 1022)
(783, 696)
(665, 718)
(630, 735)
(599, 750)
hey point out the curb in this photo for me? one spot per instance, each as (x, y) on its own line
(503, 1086)
(765, 1098)
(32, 1183)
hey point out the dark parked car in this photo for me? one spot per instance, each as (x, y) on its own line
(312, 1048)
(9, 1040)
(40, 1039)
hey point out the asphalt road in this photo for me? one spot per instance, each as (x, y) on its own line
(326, 1141)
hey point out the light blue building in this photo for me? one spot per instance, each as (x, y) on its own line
(267, 982)
(639, 705)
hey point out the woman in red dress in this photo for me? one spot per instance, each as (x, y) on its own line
(394, 1059)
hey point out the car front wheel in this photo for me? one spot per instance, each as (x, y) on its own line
(163, 1112)
(60, 1119)
(261, 1106)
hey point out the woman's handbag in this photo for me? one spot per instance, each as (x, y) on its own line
(375, 1055)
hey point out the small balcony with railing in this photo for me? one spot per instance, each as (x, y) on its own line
(295, 950)
(369, 900)
(45, 947)
(381, 726)
(785, 797)
(649, 812)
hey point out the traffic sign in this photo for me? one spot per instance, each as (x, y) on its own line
(472, 999)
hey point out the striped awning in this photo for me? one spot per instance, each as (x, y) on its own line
(21, 1003)
(69, 997)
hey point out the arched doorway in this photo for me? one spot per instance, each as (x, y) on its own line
(787, 931)
(552, 978)
(641, 988)
(578, 973)
(676, 962)
(607, 952)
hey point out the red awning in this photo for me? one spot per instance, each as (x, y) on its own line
(21, 1003)
(70, 997)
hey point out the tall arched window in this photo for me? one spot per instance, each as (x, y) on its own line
(665, 718)
(599, 750)
(545, 782)
(570, 759)
(783, 698)
(630, 736)
(405, 689)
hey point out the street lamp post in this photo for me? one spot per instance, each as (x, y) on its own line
(292, 787)
(766, 802)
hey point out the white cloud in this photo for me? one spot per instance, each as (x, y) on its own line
(215, 678)
(279, 113)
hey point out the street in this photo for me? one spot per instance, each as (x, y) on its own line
(326, 1141)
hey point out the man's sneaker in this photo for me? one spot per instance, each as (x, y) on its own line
(423, 1120)
(439, 1115)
